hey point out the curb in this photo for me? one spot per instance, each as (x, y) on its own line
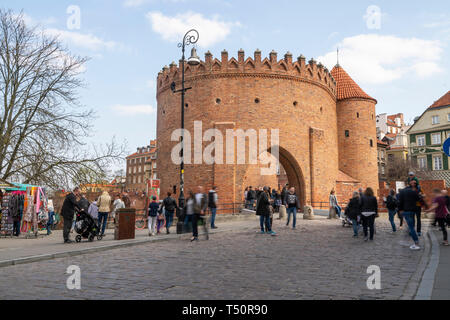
(425, 290)
(414, 282)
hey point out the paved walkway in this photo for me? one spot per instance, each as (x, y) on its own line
(24, 250)
(318, 260)
(441, 288)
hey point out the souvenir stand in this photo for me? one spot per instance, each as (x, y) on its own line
(6, 214)
(28, 204)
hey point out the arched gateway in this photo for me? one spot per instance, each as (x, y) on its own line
(325, 122)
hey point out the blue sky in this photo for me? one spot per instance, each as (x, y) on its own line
(399, 54)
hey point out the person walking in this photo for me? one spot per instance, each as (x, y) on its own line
(161, 219)
(200, 206)
(353, 212)
(93, 212)
(117, 204)
(391, 205)
(213, 201)
(51, 219)
(152, 216)
(169, 204)
(369, 210)
(251, 197)
(104, 207)
(419, 204)
(439, 206)
(189, 208)
(334, 206)
(293, 205)
(284, 193)
(407, 206)
(68, 211)
(263, 211)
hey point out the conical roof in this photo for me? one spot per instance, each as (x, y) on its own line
(442, 102)
(346, 86)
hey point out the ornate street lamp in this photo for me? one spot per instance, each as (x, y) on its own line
(191, 37)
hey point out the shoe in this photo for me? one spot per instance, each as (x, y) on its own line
(445, 243)
(366, 239)
(419, 234)
(272, 233)
(214, 227)
(168, 232)
(68, 241)
(194, 239)
(262, 232)
(355, 236)
(414, 247)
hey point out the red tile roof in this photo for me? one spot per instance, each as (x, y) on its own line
(346, 86)
(382, 143)
(442, 102)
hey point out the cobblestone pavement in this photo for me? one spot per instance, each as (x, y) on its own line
(318, 260)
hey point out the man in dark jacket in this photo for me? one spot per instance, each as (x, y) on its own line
(67, 212)
(284, 193)
(408, 200)
(263, 211)
(212, 205)
(170, 205)
(251, 197)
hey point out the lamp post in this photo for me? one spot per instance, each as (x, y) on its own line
(191, 37)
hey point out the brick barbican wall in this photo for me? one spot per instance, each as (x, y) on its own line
(297, 98)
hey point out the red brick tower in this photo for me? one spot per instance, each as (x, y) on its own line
(357, 137)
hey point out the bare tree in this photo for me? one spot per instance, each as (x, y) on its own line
(42, 124)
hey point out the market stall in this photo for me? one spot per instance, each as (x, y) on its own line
(24, 210)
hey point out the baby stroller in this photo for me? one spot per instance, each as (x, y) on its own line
(86, 228)
(345, 219)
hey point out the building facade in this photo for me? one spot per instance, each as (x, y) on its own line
(141, 168)
(382, 160)
(326, 123)
(427, 136)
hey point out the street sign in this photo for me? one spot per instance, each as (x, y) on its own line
(447, 147)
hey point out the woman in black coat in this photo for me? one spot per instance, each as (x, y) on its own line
(353, 212)
(369, 211)
(263, 211)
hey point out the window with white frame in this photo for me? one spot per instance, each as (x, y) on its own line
(436, 138)
(155, 176)
(420, 141)
(383, 170)
(422, 162)
(437, 162)
(448, 117)
(154, 165)
(435, 120)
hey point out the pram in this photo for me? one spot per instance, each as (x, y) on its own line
(345, 219)
(86, 228)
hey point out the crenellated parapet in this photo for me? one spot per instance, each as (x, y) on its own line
(271, 67)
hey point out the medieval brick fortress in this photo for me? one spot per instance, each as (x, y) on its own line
(326, 122)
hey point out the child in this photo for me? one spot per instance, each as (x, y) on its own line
(161, 219)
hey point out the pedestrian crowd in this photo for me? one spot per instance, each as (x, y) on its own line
(407, 204)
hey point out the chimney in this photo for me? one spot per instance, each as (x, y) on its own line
(241, 56)
(273, 57)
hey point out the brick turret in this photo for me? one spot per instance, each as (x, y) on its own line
(357, 138)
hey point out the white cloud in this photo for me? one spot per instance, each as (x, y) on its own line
(138, 3)
(172, 29)
(376, 59)
(132, 110)
(81, 40)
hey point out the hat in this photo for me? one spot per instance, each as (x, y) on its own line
(411, 173)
